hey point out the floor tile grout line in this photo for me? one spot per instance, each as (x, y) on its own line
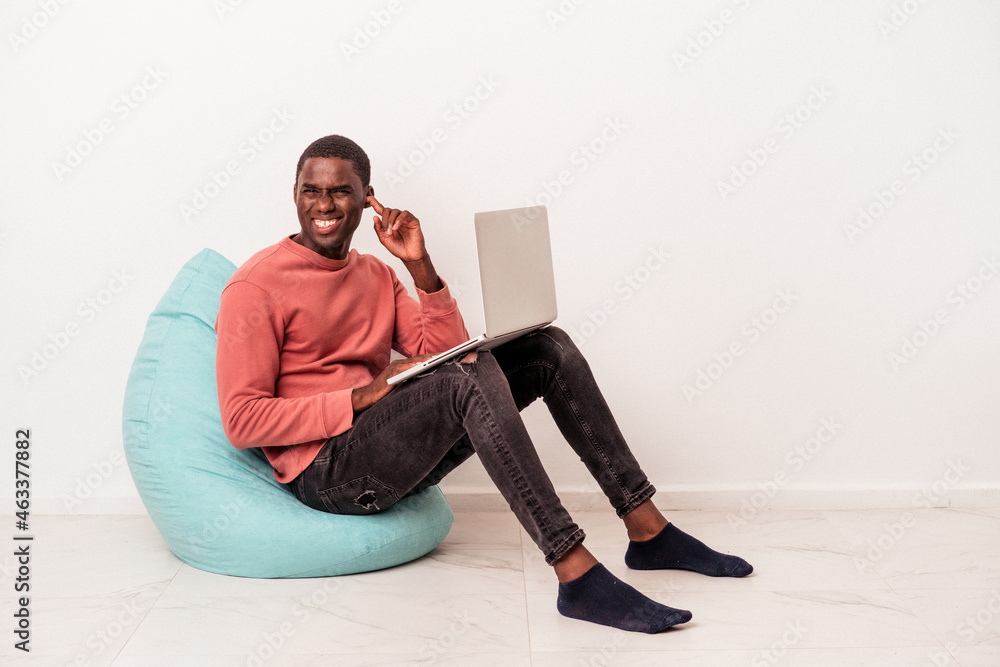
(856, 552)
(524, 584)
(930, 631)
(953, 656)
(180, 564)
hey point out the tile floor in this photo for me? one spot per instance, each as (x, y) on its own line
(858, 587)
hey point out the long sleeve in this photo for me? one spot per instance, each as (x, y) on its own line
(297, 332)
(251, 328)
(431, 325)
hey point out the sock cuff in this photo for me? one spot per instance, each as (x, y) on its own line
(669, 532)
(596, 572)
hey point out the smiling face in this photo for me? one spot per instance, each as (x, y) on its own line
(330, 198)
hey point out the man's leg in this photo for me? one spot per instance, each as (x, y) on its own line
(547, 364)
(396, 444)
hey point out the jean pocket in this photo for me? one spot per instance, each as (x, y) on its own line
(364, 495)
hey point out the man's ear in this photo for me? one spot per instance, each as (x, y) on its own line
(370, 192)
(295, 193)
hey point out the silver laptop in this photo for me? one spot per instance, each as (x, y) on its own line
(515, 271)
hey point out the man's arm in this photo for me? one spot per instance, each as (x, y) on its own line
(399, 231)
(250, 332)
(423, 274)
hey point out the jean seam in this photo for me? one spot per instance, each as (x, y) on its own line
(644, 494)
(590, 436)
(525, 494)
(529, 364)
(626, 494)
(541, 332)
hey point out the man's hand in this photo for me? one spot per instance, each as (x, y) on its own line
(363, 398)
(399, 231)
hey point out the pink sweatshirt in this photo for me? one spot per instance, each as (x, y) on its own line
(298, 331)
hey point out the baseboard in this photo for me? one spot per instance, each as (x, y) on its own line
(733, 499)
(667, 498)
(92, 505)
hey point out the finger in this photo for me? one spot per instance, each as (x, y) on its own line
(375, 204)
(404, 216)
(383, 221)
(390, 216)
(407, 364)
(412, 361)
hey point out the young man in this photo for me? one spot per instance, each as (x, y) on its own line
(305, 329)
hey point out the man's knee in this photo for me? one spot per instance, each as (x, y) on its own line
(557, 335)
(554, 343)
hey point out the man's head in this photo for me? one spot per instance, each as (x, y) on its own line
(342, 147)
(331, 191)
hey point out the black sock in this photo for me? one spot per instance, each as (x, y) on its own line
(600, 597)
(674, 549)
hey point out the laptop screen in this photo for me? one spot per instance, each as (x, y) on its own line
(515, 269)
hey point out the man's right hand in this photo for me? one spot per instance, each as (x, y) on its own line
(363, 398)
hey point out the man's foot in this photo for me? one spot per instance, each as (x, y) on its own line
(674, 549)
(600, 597)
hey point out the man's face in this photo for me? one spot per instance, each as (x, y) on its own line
(330, 198)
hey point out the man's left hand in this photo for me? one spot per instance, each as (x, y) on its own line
(399, 231)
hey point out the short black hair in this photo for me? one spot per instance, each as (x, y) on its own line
(341, 147)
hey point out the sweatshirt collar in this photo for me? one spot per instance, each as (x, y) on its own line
(314, 257)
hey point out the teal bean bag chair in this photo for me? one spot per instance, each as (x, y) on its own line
(219, 508)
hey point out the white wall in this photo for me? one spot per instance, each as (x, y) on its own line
(875, 87)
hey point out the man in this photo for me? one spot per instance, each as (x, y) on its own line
(305, 329)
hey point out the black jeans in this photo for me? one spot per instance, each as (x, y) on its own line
(427, 426)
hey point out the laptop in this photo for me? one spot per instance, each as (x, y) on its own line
(515, 272)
